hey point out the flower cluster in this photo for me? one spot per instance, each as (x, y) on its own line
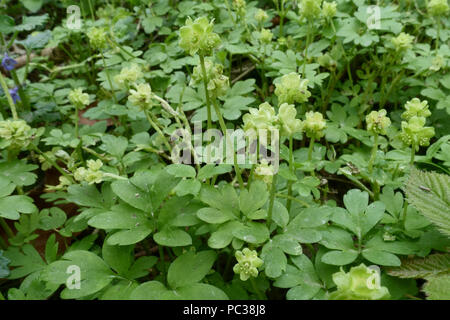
(248, 264)
(97, 38)
(129, 75)
(15, 134)
(292, 88)
(378, 122)
(218, 83)
(8, 63)
(437, 7)
(264, 172)
(329, 9)
(198, 36)
(91, 174)
(416, 108)
(261, 16)
(414, 133)
(314, 124)
(310, 9)
(262, 118)
(141, 96)
(265, 36)
(78, 98)
(360, 283)
(402, 42)
(289, 124)
(239, 6)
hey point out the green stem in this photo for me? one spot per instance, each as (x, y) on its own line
(373, 154)
(292, 169)
(205, 85)
(272, 199)
(311, 148)
(413, 153)
(53, 163)
(109, 79)
(286, 196)
(155, 126)
(8, 97)
(5, 227)
(4, 246)
(76, 122)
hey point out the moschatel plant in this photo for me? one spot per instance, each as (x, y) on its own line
(352, 204)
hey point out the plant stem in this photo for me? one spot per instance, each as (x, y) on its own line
(109, 79)
(3, 246)
(8, 97)
(413, 153)
(373, 154)
(161, 256)
(273, 189)
(53, 163)
(292, 169)
(5, 227)
(155, 126)
(205, 85)
(311, 148)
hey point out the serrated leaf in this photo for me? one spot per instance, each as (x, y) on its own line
(422, 267)
(429, 192)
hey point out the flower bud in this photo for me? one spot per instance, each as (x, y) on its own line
(262, 118)
(360, 283)
(310, 9)
(416, 108)
(129, 75)
(378, 122)
(292, 88)
(261, 16)
(329, 9)
(402, 42)
(97, 38)
(290, 125)
(91, 174)
(314, 124)
(141, 96)
(414, 133)
(437, 7)
(218, 83)
(15, 134)
(248, 264)
(198, 36)
(78, 98)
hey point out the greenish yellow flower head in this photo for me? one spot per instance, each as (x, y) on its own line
(416, 108)
(239, 6)
(378, 122)
(198, 36)
(292, 88)
(310, 9)
(264, 172)
(129, 75)
(261, 16)
(402, 42)
(437, 63)
(325, 60)
(218, 83)
(15, 134)
(414, 132)
(265, 36)
(248, 264)
(314, 124)
(141, 96)
(437, 7)
(360, 283)
(97, 38)
(329, 9)
(91, 174)
(78, 98)
(286, 115)
(262, 118)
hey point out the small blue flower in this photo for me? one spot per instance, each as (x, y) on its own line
(8, 63)
(14, 95)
